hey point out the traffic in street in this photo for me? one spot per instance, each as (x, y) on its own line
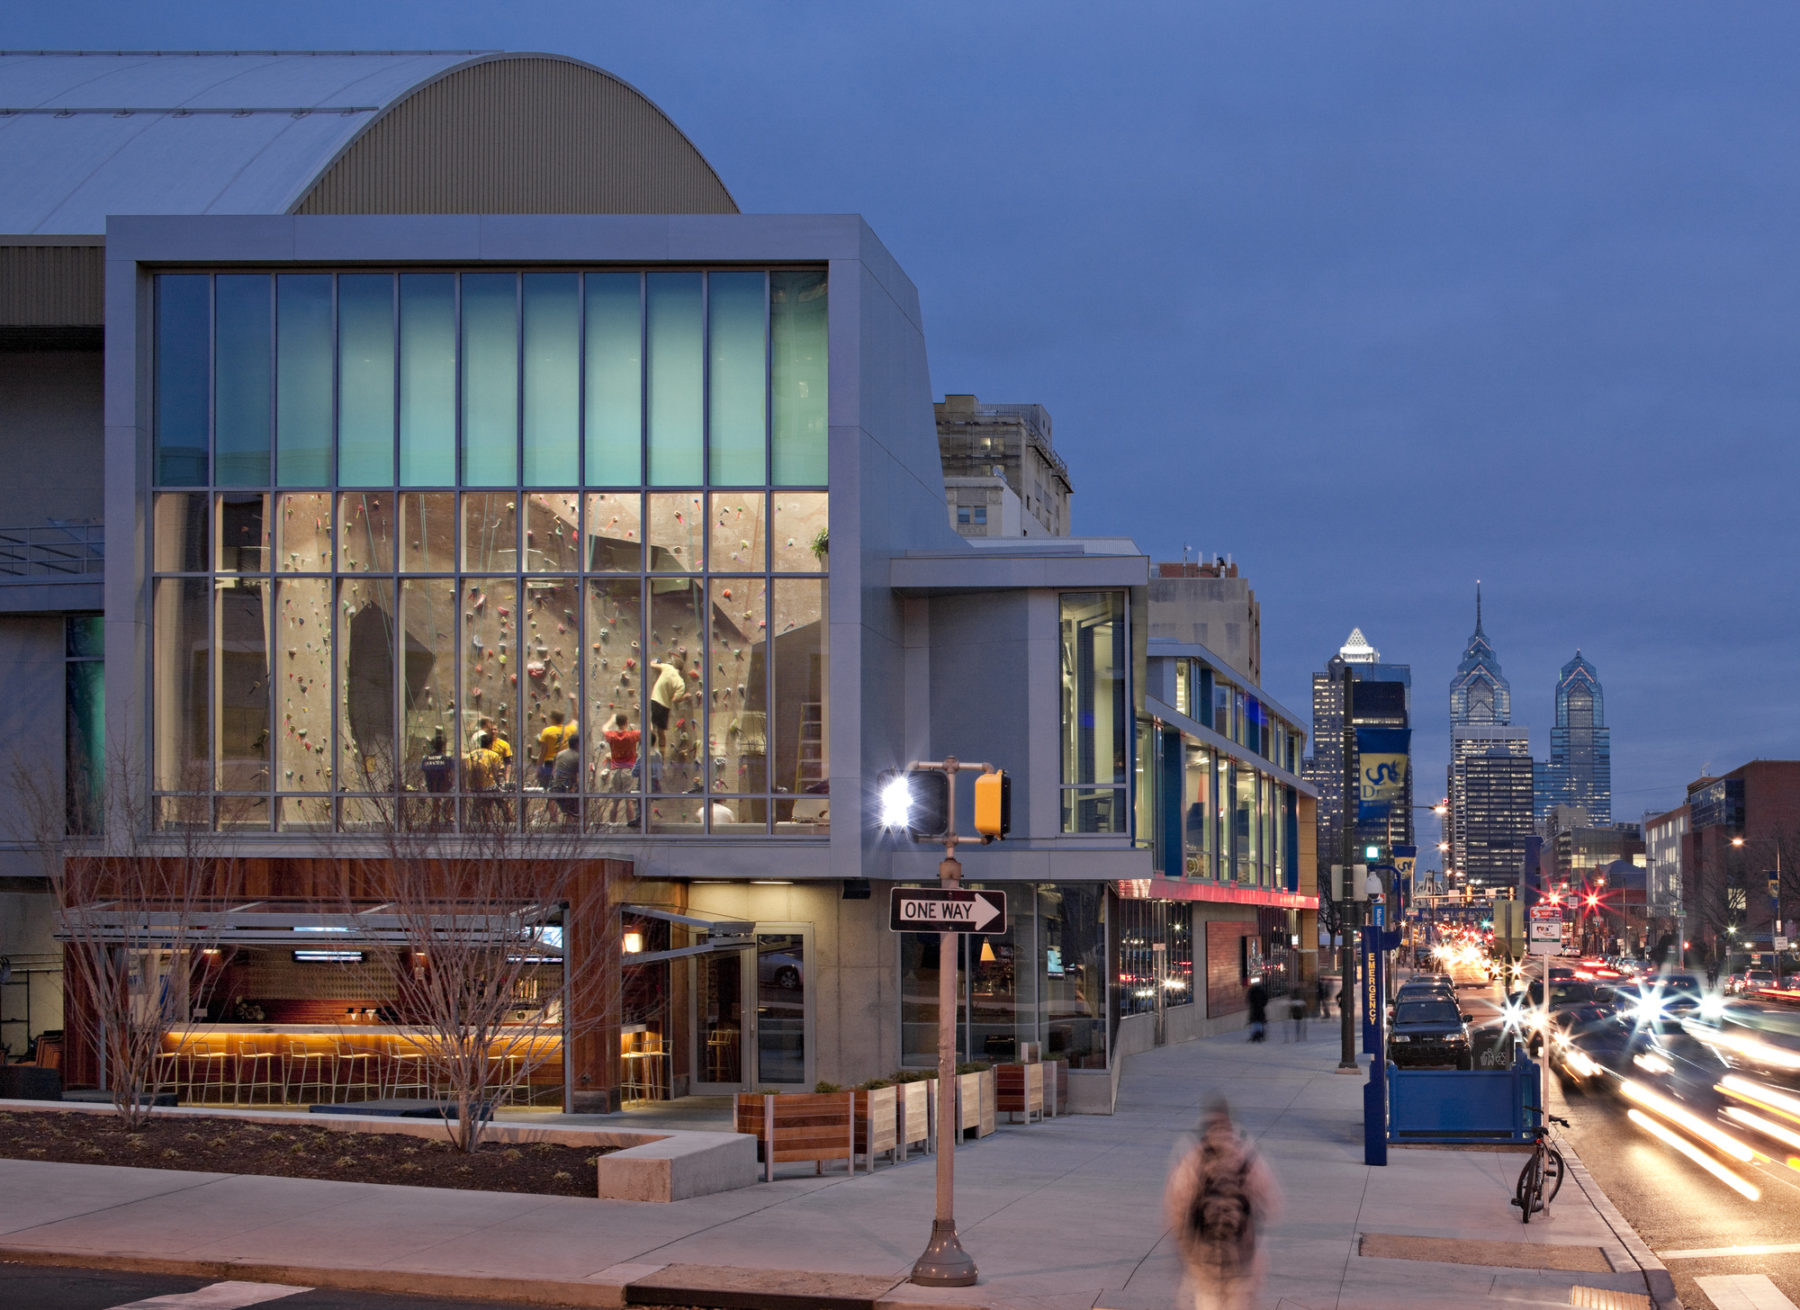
(1682, 1095)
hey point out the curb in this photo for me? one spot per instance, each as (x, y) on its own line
(712, 1289)
(1657, 1279)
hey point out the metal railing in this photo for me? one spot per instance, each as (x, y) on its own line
(48, 551)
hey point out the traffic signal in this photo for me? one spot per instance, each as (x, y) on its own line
(917, 800)
(993, 804)
(1359, 882)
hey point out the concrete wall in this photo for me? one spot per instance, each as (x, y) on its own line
(52, 431)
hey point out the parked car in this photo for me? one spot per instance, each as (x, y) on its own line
(1429, 1031)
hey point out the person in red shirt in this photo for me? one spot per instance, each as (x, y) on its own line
(622, 765)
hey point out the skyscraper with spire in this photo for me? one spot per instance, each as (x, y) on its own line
(1579, 770)
(1490, 774)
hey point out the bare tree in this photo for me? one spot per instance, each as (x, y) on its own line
(469, 939)
(138, 911)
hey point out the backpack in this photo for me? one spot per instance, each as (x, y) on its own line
(1219, 1216)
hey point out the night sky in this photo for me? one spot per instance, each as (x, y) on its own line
(1376, 298)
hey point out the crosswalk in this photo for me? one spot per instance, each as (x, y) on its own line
(217, 1296)
(1743, 1292)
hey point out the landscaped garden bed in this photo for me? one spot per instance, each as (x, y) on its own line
(299, 1150)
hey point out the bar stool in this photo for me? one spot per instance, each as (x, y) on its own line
(257, 1064)
(408, 1070)
(309, 1066)
(167, 1067)
(503, 1075)
(358, 1071)
(209, 1066)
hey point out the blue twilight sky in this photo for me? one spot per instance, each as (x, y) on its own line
(1378, 298)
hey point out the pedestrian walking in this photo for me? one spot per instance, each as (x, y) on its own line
(1219, 1198)
(1297, 1013)
(1259, 1010)
(1321, 997)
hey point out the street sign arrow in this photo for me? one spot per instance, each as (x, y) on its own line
(941, 909)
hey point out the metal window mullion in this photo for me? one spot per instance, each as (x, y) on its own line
(518, 479)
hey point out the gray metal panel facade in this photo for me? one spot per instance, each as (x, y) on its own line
(521, 135)
(83, 136)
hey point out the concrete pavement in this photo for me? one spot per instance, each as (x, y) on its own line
(1064, 1215)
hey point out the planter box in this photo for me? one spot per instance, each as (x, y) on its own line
(1019, 1089)
(975, 1103)
(877, 1123)
(915, 1104)
(1056, 1087)
(815, 1126)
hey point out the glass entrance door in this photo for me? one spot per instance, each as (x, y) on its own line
(719, 1019)
(752, 1013)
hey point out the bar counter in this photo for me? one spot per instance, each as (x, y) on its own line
(249, 1063)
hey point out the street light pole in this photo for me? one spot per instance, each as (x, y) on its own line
(945, 1263)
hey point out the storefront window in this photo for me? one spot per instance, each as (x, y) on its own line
(1094, 712)
(324, 641)
(1072, 957)
(1156, 956)
(1246, 831)
(1200, 818)
(1043, 980)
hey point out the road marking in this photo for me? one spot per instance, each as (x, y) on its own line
(1744, 1292)
(1714, 1252)
(217, 1296)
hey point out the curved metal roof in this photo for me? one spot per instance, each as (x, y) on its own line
(87, 134)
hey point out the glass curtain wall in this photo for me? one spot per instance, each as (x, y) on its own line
(495, 547)
(1096, 716)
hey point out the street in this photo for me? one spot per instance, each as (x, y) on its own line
(1696, 1223)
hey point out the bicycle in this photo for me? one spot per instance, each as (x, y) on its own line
(1542, 1177)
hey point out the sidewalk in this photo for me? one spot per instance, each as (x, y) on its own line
(1064, 1215)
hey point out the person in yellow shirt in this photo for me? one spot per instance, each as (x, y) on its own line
(482, 772)
(550, 744)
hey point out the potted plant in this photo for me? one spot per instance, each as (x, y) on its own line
(796, 1126)
(975, 1098)
(821, 546)
(876, 1120)
(1019, 1089)
(915, 1093)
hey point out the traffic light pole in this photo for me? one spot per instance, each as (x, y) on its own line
(945, 1263)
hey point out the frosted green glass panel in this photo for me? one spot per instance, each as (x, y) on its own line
(366, 379)
(490, 403)
(615, 379)
(183, 344)
(552, 379)
(303, 379)
(674, 324)
(737, 387)
(798, 377)
(427, 379)
(241, 381)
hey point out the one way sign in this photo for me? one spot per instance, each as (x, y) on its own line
(937, 909)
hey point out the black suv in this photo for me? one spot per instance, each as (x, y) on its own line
(1429, 1031)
